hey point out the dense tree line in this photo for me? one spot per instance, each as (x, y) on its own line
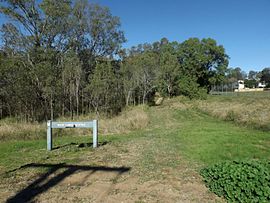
(171, 68)
(64, 58)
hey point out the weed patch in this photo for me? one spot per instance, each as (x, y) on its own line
(239, 181)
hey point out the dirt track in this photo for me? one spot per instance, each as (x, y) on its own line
(115, 177)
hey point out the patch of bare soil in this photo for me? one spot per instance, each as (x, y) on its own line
(112, 173)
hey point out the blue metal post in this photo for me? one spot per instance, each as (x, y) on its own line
(49, 135)
(95, 133)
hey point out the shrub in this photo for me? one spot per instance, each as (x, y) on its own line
(191, 89)
(240, 181)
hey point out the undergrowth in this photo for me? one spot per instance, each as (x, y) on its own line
(134, 118)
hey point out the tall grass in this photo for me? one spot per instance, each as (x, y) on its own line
(251, 110)
(129, 120)
(12, 129)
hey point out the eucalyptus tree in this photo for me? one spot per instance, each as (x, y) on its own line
(145, 74)
(104, 89)
(168, 74)
(130, 83)
(71, 77)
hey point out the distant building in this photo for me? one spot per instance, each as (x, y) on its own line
(261, 85)
(239, 85)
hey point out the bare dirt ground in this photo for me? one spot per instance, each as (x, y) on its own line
(114, 175)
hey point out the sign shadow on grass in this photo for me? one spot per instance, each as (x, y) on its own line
(80, 145)
(38, 186)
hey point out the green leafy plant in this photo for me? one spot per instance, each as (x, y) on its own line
(239, 181)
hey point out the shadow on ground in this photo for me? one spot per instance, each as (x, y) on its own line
(45, 182)
(80, 145)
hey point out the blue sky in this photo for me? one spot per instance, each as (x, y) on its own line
(241, 26)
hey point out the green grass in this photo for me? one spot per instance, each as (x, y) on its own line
(209, 140)
(173, 132)
(18, 153)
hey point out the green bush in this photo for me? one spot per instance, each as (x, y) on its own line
(240, 181)
(191, 89)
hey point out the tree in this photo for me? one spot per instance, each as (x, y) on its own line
(265, 76)
(146, 74)
(130, 83)
(169, 73)
(252, 75)
(203, 61)
(235, 74)
(12, 39)
(139, 72)
(251, 80)
(96, 29)
(71, 82)
(104, 89)
(250, 83)
(95, 33)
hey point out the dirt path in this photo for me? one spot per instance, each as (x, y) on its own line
(112, 183)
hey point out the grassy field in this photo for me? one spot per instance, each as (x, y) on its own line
(159, 162)
(248, 109)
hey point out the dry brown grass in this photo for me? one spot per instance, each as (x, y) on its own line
(250, 111)
(20, 130)
(130, 119)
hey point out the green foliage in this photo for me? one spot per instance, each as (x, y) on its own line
(203, 60)
(234, 74)
(168, 76)
(187, 68)
(45, 68)
(240, 181)
(188, 87)
(265, 76)
(250, 83)
(139, 74)
(105, 90)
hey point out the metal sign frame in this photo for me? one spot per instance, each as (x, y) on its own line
(88, 124)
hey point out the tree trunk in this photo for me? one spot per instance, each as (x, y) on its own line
(77, 97)
(82, 107)
(51, 106)
(70, 105)
(127, 98)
